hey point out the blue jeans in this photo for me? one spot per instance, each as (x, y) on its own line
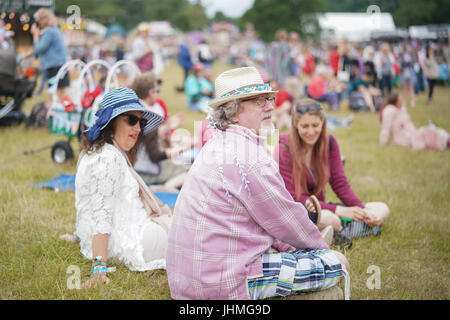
(386, 82)
(331, 98)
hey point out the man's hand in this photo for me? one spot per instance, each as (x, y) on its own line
(35, 32)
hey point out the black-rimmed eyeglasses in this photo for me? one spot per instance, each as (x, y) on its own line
(261, 101)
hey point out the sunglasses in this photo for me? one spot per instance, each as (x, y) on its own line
(132, 120)
(315, 107)
(261, 101)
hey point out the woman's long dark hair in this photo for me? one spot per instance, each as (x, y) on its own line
(427, 51)
(106, 136)
(319, 159)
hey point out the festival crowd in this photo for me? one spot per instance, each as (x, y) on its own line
(247, 223)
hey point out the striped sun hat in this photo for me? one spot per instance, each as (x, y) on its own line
(119, 101)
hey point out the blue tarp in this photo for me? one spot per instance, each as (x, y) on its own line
(66, 182)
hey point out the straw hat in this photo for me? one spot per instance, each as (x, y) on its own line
(239, 83)
(143, 27)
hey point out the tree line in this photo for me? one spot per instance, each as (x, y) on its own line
(266, 15)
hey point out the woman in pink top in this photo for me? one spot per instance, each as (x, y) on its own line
(396, 124)
(309, 158)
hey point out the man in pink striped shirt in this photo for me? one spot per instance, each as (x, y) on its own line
(236, 230)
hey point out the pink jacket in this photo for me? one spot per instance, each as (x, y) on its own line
(396, 123)
(232, 208)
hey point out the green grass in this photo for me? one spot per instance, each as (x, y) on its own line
(411, 252)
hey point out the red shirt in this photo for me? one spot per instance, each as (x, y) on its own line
(310, 64)
(316, 87)
(163, 106)
(334, 60)
(281, 97)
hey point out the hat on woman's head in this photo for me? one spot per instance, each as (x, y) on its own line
(239, 83)
(119, 101)
(143, 27)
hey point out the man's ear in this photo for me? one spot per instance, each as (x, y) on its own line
(235, 119)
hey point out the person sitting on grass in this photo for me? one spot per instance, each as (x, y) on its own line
(198, 89)
(283, 102)
(396, 124)
(155, 155)
(236, 229)
(309, 159)
(370, 94)
(118, 217)
(323, 86)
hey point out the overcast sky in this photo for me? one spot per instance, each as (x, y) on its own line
(231, 8)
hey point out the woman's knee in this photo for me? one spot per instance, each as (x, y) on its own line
(380, 209)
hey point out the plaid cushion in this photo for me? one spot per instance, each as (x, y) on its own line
(296, 272)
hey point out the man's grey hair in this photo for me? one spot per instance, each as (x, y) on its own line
(222, 116)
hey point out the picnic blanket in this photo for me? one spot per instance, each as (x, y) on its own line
(66, 182)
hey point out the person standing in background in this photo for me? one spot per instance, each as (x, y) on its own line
(278, 57)
(384, 63)
(430, 71)
(142, 52)
(185, 62)
(49, 47)
(408, 75)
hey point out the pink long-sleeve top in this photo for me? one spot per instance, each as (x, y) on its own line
(233, 207)
(396, 124)
(337, 178)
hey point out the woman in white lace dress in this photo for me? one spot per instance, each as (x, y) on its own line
(117, 215)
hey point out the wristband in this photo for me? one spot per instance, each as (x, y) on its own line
(75, 237)
(99, 266)
(97, 270)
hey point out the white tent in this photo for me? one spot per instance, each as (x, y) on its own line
(161, 28)
(95, 27)
(430, 32)
(354, 26)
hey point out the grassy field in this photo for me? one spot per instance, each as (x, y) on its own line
(412, 252)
